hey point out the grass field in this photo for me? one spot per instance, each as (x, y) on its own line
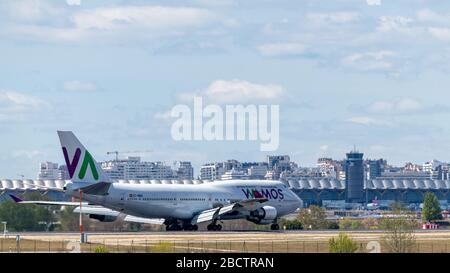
(238, 242)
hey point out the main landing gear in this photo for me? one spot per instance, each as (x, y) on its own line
(275, 226)
(189, 227)
(178, 227)
(174, 227)
(214, 227)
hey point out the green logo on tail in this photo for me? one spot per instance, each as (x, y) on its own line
(88, 161)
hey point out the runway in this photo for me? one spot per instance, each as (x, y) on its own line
(214, 242)
(234, 236)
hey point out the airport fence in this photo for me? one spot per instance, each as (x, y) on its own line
(199, 246)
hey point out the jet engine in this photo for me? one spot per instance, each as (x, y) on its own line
(103, 218)
(264, 215)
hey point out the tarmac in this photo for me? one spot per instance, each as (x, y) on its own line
(225, 236)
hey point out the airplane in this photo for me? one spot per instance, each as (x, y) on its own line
(177, 206)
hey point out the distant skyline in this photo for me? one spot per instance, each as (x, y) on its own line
(370, 73)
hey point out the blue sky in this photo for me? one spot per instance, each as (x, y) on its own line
(371, 73)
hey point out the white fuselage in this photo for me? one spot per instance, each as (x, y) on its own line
(184, 201)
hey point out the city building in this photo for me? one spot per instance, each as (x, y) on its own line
(234, 175)
(211, 171)
(278, 164)
(258, 171)
(52, 171)
(134, 168)
(429, 167)
(375, 168)
(215, 171)
(329, 168)
(184, 170)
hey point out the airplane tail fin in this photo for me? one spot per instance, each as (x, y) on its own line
(81, 166)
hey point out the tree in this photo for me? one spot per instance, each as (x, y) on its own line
(342, 244)
(399, 229)
(313, 218)
(431, 209)
(25, 217)
(70, 221)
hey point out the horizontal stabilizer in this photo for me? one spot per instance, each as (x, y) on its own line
(100, 188)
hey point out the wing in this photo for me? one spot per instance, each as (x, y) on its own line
(212, 214)
(46, 203)
(141, 220)
(99, 210)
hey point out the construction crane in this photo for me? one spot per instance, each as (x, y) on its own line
(128, 152)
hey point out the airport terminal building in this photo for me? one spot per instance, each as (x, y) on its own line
(311, 191)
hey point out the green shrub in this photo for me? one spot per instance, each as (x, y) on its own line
(101, 249)
(342, 244)
(348, 224)
(290, 224)
(333, 225)
(163, 247)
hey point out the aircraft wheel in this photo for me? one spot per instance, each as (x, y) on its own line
(210, 227)
(219, 227)
(187, 227)
(195, 227)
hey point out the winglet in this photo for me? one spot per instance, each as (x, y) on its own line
(15, 198)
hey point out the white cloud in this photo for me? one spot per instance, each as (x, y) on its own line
(368, 121)
(78, 86)
(101, 24)
(15, 106)
(143, 17)
(373, 2)
(430, 16)
(402, 106)
(332, 18)
(14, 102)
(371, 61)
(408, 105)
(440, 33)
(240, 91)
(30, 11)
(281, 49)
(216, 2)
(394, 23)
(324, 148)
(27, 154)
(73, 2)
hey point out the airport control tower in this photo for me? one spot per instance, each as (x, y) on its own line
(354, 177)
